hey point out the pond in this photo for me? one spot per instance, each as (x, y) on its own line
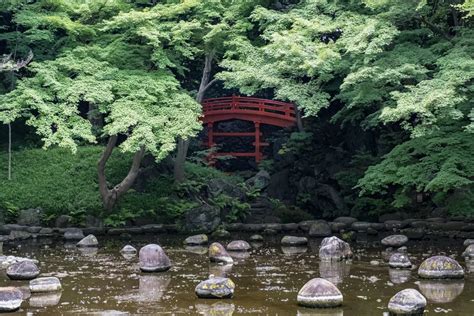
(103, 282)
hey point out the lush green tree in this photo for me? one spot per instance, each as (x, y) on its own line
(375, 66)
(191, 32)
(119, 82)
(380, 83)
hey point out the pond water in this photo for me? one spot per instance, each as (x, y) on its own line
(103, 282)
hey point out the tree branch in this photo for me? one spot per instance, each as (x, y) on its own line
(128, 181)
(210, 84)
(435, 29)
(103, 189)
(7, 64)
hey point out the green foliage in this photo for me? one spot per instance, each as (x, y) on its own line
(124, 216)
(298, 142)
(63, 183)
(435, 163)
(235, 210)
(56, 180)
(9, 211)
(290, 58)
(292, 214)
(386, 87)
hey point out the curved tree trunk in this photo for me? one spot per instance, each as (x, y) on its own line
(299, 120)
(111, 196)
(183, 144)
(9, 151)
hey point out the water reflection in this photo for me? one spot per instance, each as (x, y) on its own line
(292, 251)
(239, 255)
(470, 265)
(320, 312)
(45, 299)
(256, 244)
(399, 276)
(220, 270)
(334, 271)
(199, 250)
(387, 253)
(441, 291)
(152, 287)
(216, 309)
(25, 290)
(128, 256)
(88, 251)
(70, 245)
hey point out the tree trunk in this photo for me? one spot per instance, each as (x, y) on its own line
(183, 144)
(111, 196)
(299, 120)
(95, 118)
(9, 151)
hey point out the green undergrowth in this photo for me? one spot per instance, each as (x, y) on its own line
(60, 182)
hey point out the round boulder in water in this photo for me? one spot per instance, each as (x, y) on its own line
(407, 302)
(294, 241)
(200, 239)
(10, 299)
(215, 287)
(24, 270)
(153, 259)
(440, 267)
(238, 245)
(128, 249)
(469, 252)
(256, 238)
(217, 253)
(394, 240)
(468, 242)
(334, 249)
(46, 284)
(399, 260)
(88, 241)
(319, 293)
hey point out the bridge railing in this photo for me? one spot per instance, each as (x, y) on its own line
(239, 103)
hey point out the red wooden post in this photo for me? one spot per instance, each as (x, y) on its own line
(233, 102)
(210, 135)
(258, 156)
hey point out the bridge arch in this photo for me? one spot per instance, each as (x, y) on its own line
(256, 110)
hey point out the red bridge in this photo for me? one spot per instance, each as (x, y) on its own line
(258, 111)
